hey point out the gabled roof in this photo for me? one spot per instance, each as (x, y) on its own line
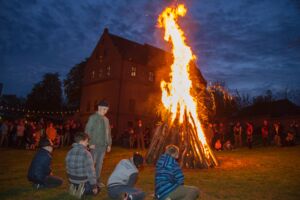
(139, 53)
(130, 50)
(143, 54)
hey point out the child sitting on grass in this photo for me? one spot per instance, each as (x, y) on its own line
(121, 182)
(169, 179)
(40, 173)
(80, 168)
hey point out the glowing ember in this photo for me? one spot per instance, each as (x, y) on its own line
(176, 95)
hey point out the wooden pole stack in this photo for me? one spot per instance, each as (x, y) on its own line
(193, 154)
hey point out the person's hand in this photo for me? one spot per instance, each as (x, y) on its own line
(92, 146)
(125, 196)
(95, 190)
(108, 148)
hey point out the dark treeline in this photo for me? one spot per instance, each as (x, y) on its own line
(51, 94)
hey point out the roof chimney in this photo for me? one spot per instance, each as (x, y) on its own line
(105, 30)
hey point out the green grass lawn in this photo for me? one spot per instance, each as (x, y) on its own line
(260, 173)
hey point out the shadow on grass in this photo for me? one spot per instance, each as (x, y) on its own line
(66, 196)
(62, 195)
(14, 192)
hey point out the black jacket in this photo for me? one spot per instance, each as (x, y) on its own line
(40, 167)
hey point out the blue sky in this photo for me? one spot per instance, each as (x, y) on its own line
(251, 45)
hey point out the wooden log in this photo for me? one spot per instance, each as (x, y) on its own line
(158, 146)
(206, 150)
(203, 161)
(155, 142)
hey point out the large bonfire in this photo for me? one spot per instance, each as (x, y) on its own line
(183, 126)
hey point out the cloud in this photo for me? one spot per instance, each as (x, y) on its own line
(261, 43)
(230, 41)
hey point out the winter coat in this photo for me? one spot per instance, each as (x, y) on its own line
(40, 167)
(99, 130)
(80, 165)
(168, 176)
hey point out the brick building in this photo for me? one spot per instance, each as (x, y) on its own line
(127, 74)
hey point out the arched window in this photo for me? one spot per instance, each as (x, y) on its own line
(133, 71)
(100, 72)
(151, 76)
(108, 70)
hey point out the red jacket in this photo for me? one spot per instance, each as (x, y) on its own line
(264, 131)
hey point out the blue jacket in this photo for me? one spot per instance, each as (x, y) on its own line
(168, 176)
(40, 167)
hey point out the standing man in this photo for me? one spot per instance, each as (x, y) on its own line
(4, 133)
(51, 132)
(265, 132)
(20, 133)
(98, 129)
(237, 130)
(140, 135)
(277, 130)
(249, 132)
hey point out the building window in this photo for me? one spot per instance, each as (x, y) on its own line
(133, 71)
(108, 70)
(93, 74)
(131, 105)
(100, 73)
(151, 76)
(88, 107)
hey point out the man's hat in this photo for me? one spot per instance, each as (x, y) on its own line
(103, 103)
(45, 142)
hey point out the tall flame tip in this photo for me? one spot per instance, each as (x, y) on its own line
(176, 94)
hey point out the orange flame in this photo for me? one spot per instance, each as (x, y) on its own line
(176, 95)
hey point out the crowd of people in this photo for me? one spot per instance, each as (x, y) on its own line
(27, 133)
(136, 136)
(236, 135)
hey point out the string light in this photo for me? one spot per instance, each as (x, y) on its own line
(14, 109)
